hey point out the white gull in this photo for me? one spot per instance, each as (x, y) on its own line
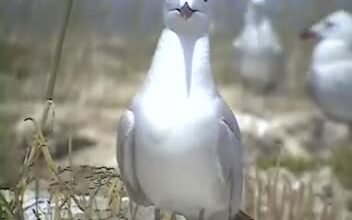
(179, 145)
(330, 75)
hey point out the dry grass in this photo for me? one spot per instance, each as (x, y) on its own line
(98, 193)
(276, 195)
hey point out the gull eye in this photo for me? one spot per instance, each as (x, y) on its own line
(205, 0)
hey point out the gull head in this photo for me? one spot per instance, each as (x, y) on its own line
(337, 26)
(256, 11)
(187, 17)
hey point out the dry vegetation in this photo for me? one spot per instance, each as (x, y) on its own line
(276, 195)
(97, 193)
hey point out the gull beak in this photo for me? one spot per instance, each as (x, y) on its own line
(309, 34)
(186, 11)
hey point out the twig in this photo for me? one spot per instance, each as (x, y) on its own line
(70, 151)
(49, 96)
(58, 52)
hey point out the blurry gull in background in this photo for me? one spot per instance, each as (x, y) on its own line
(259, 57)
(179, 145)
(330, 75)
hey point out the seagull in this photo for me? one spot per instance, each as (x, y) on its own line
(179, 145)
(259, 56)
(329, 79)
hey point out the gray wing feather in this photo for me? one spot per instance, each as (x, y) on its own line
(126, 158)
(228, 117)
(230, 156)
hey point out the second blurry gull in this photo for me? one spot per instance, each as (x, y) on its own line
(259, 56)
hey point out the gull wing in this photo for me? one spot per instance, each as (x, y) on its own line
(126, 158)
(230, 156)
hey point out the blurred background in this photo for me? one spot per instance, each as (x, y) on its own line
(107, 51)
